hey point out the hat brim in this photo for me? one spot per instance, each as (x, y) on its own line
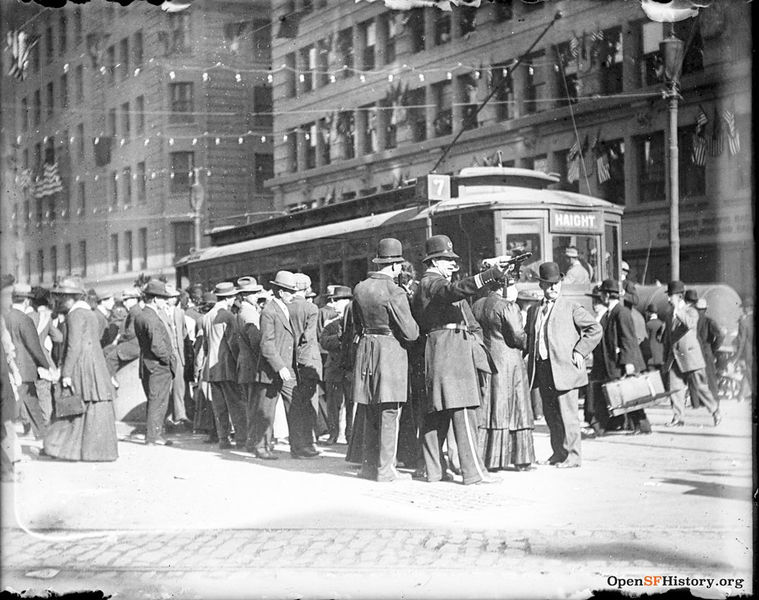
(61, 291)
(552, 280)
(227, 294)
(341, 297)
(287, 288)
(387, 260)
(445, 254)
(256, 290)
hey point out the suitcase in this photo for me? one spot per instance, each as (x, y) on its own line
(635, 392)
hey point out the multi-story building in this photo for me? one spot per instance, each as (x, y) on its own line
(366, 97)
(146, 114)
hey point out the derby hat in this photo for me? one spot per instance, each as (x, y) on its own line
(549, 272)
(340, 291)
(675, 287)
(439, 246)
(171, 291)
(610, 286)
(130, 293)
(389, 250)
(701, 304)
(224, 289)
(595, 292)
(23, 290)
(691, 296)
(154, 287)
(302, 282)
(571, 252)
(248, 285)
(209, 298)
(104, 296)
(651, 308)
(285, 280)
(69, 285)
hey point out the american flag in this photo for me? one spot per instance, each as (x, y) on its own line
(602, 164)
(50, 182)
(701, 120)
(698, 150)
(717, 141)
(574, 46)
(25, 179)
(20, 45)
(733, 137)
(573, 163)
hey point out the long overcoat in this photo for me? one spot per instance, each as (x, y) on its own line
(681, 340)
(382, 318)
(303, 317)
(618, 347)
(506, 404)
(248, 343)
(219, 332)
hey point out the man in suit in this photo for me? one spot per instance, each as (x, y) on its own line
(220, 369)
(454, 357)
(248, 348)
(127, 348)
(157, 361)
(710, 337)
(29, 356)
(617, 355)
(382, 318)
(301, 414)
(175, 323)
(684, 360)
(576, 273)
(560, 335)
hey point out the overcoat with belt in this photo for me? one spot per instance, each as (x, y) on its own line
(681, 344)
(454, 352)
(382, 318)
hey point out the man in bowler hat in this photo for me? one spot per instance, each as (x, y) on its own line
(382, 319)
(454, 356)
(683, 359)
(560, 335)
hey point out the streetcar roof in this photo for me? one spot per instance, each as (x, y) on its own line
(506, 173)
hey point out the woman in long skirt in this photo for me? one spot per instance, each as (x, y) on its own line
(507, 422)
(90, 436)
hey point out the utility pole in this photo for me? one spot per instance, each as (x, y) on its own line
(197, 195)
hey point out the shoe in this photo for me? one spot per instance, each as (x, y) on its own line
(264, 455)
(717, 416)
(398, 477)
(305, 453)
(524, 468)
(160, 442)
(330, 441)
(484, 480)
(568, 465)
(551, 462)
(225, 444)
(675, 423)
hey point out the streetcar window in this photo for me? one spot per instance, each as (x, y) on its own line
(611, 256)
(525, 235)
(587, 247)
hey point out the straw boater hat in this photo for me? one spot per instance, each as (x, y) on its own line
(224, 289)
(248, 285)
(285, 280)
(171, 291)
(302, 282)
(571, 252)
(69, 285)
(439, 246)
(130, 293)
(22, 290)
(389, 250)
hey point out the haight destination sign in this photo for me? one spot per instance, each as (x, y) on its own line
(571, 221)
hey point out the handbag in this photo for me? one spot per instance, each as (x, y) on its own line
(68, 404)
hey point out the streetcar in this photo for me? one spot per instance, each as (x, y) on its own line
(491, 211)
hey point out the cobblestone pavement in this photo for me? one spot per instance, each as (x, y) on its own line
(193, 522)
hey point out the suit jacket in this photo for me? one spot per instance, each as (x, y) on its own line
(681, 344)
(219, 331)
(303, 317)
(330, 339)
(128, 348)
(618, 347)
(570, 328)
(248, 343)
(156, 353)
(177, 332)
(277, 344)
(29, 351)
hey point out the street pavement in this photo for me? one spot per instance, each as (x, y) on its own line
(191, 521)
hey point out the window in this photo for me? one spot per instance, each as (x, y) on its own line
(392, 24)
(114, 183)
(83, 258)
(415, 28)
(80, 141)
(137, 51)
(139, 109)
(264, 171)
(532, 84)
(694, 56)
(371, 120)
(346, 135)
(262, 41)
(183, 239)
(40, 265)
(49, 48)
(692, 175)
(610, 170)
(37, 155)
(569, 86)
(24, 115)
(124, 60)
(289, 74)
(114, 253)
(112, 122)
(79, 84)
(307, 76)
(81, 199)
(443, 101)
(368, 32)
(651, 63)
(128, 250)
(28, 266)
(26, 158)
(77, 26)
(110, 64)
(54, 261)
(291, 141)
(526, 235)
(468, 19)
(262, 106)
(345, 51)
(143, 240)
(67, 259)
(50, 99)
(609, 50)
(587, 249)
(126, 175)
(651, 160)
(442, 28)
(141, 183)
(64, 91)
(180, 31)
(27, 213)
(181, 102)
(182, 164)
(126, 129)
(309, 136)
(416, 114)
(467, 85)
(50, 150)
(62, 33)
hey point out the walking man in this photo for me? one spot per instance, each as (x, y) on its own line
(382, 317)
(127, 348)
(560, 335)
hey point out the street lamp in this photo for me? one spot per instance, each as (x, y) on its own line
(672, 50)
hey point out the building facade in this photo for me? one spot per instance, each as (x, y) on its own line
(149, 118)
(366, 98)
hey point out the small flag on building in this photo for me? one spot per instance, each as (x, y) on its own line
(50, 182)
(20, 45)
(573, 163)
(698, 141)
(717, 141)
(602, 164)
(733, 136)
(25, 179)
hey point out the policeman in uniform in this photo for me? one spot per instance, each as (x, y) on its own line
(453, 356)
(382, 318)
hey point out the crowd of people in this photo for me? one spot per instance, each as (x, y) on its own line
(439, 374)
